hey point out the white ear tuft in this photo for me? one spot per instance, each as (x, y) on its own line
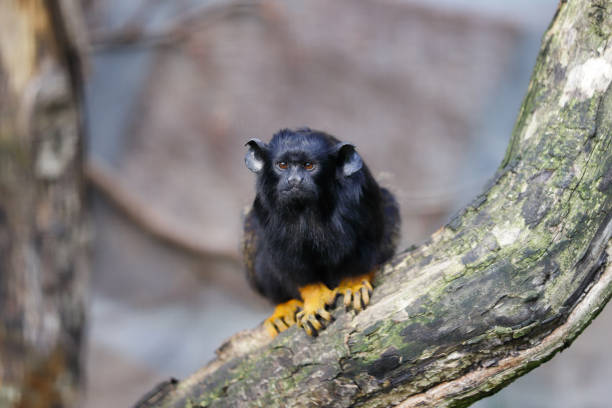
(349, 159)
(255, 156)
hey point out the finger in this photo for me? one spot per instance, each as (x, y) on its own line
(347, 298)
(280, 325)
(290, 319)
(314, 322)
(365, 296)
(332, 299)
(300, 319)
(357, 300)
(308, 329)
(325, 314)
(271, 329)
(368, 285)
(336, 294)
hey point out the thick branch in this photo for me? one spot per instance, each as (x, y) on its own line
(511, 280)
(42, 273)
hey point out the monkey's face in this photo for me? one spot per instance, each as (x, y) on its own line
(297, 167)
(295, 174)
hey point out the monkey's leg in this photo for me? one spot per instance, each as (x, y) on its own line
(283, 317)
(356, 290)
(316, 297)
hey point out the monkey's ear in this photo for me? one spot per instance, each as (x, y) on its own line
(255, 157)
(348, 158)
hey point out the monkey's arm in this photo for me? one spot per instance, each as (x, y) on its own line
(357, 290)
(283, 316)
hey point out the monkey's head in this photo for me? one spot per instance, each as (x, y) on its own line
(301, 167)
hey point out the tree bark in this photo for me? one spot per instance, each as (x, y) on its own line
(42, 274)
(508, 282)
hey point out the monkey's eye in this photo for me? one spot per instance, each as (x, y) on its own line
(282, 165)
(308, 166)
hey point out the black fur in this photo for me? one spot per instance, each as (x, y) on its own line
(314, 225)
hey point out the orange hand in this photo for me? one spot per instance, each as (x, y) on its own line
(283, 317)
(316, 297)
(356, 290)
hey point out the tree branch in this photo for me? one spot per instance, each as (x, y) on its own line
(43, 274)
(150, 221)
(511, 280)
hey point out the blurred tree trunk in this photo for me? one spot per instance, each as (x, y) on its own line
(510, 281)
(42, 270)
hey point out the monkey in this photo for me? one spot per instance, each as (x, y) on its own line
(318, 228)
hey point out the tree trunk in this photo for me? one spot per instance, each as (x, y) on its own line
(42, 274)
(510, 281)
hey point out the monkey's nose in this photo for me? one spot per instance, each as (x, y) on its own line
(294, 180)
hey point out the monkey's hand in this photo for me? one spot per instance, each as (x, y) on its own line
(283, 317)
(316, 297)
(356, 290)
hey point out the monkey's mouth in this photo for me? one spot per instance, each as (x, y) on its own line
(293, 190)
(296, 193)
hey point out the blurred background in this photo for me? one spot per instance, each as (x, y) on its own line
(427, 90)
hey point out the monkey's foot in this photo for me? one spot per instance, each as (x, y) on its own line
(283, 317)
(313, 315)
(356, 290)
